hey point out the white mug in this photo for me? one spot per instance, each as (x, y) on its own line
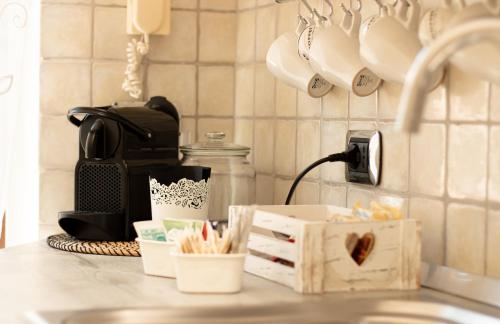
(334, 53)
(389, 42)
(285, 64)
(435, 21)
(480, 59)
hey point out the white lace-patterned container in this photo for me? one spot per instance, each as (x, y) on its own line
(184, 199)
(315, 258)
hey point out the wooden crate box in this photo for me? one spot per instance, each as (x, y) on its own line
(318, 261)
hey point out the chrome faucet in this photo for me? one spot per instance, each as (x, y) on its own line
(430, 58)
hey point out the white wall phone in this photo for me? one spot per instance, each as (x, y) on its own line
(145, 18)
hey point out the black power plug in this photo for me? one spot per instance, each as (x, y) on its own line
(367, 171)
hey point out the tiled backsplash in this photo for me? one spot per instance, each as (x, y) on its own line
(83, 63)
(212, 67)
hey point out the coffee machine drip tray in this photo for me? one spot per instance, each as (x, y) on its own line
(93, 225)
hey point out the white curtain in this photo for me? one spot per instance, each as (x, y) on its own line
(19, 84)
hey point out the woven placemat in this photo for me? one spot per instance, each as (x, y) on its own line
(66, 242)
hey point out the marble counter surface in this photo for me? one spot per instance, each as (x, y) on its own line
(37, 277)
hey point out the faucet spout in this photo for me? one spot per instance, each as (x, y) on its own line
(413, 96)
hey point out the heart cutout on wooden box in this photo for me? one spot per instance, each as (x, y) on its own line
(359, 248)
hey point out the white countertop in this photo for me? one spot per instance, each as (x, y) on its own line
(37, 277)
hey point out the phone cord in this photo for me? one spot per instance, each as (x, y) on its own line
(136, 50)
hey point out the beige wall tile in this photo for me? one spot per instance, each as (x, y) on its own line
(431, 213)
(206, 125)
(72, 40)
(111, 2)
(468, 96)
(246, 4)
(218, 4)
(333, 195)
(265, 189)
(436, 103)
(181, 44)
(336, 103)
(333, 140)
(185, 4)
(217, 37)
(287, 17)
(56, 194)
(286, 100)
(63, 85)
(281, 188)
(264, 146)
(110, 37)
(68, 1)
(492, 244)
(363, 107)
(264, 2)
(362, 125)
(265, 31)
(465, 238)
(359, 194)
(495, 102)
(216, 90)
(307, 193)
(284, 150)
(245, 49)
(494, 168)
(467, 155)
(58, 143)
(107, 79)
(395, 158)
(244, 92)
(175, 82)
(388, 100)
(243, 135)
(428, 160)
(308, 146)
(264, 91)
(308, 106)
(188, 131)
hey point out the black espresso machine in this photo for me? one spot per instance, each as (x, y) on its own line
(119, 146)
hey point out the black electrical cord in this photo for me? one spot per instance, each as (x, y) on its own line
(352, 156)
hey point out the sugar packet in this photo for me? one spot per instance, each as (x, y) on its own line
(175, 227)
(150, 230)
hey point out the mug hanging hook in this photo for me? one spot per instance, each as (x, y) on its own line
(347, 12)
(330, 5)
(360, 5)
(313, 12)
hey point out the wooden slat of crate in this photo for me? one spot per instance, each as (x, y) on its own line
(270, 270)
(277, 223)
(271, 246)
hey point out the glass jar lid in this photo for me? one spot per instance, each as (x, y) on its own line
(215, 146)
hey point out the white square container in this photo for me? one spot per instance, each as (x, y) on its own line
(156, 258)
(209, 273)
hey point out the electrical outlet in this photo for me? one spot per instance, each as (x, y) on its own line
(369, 168)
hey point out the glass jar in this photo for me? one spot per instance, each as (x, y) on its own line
(232, 177)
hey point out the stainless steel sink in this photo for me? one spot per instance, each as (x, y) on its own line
(354, 311)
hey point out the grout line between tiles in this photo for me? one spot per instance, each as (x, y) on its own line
(196, 121)
(488, 166)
